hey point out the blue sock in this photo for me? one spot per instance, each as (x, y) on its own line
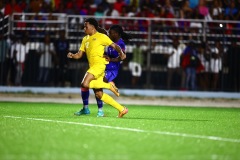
(85, 97)
(99, 103)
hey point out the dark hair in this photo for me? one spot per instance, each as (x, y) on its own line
(120, 31)
(101, 30)
(92, 21)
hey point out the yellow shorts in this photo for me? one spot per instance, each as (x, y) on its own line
(98, 71)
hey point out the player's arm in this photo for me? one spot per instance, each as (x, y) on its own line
(77, 55)
(112, 59)
(122, 55)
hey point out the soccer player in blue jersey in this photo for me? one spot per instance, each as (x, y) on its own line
(118, 36)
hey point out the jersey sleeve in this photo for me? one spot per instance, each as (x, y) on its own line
(122, 46)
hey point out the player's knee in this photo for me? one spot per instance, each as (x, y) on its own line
(85, 85)
(99, 94)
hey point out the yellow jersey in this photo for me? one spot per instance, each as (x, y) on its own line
(94, 47)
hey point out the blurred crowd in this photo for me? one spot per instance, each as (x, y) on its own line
(190, 64)
(186, 9)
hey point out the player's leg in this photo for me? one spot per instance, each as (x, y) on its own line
(97, 83)
(109, 100)
(109, 76)
(85, 96)
(100, 84)
(99, 103)
(94, 79)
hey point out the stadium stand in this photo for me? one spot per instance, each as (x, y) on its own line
(153, 23)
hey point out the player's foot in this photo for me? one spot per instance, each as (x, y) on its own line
(121, 114)
(100, 114)
(114, 89)
(83, 111)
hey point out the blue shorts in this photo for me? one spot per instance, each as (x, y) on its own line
(110, 75)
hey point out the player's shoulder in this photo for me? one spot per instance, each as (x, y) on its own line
(101, 34)
(120, 42)
(85, 37)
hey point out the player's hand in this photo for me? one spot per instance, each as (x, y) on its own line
(70, 55)
(123, 56)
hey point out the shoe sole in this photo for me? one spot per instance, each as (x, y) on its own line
(81, 114)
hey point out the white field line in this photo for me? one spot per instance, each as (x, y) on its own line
(214, 138)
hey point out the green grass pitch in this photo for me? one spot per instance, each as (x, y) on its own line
(49, 131)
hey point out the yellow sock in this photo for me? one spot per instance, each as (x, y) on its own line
(109, 100)
(99, 84)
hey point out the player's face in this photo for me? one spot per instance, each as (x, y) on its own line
(113, 35)
(88, 28)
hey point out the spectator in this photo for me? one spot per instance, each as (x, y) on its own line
(22, 49)
(92, 7)
(216, 52)
(185, 10)
(217, 9)
(148, 3)
(12, 7)
(133, 3)
(143, 23)
(56, 4)
(196, 26)
(170, 24)
(11, 69)
(124, 12)
(46, 51)
(61, 8)
(185, 13)
(105, 5)
(61, 62)
(35, 6)
(4, 49)
(99, 12)
(203, 75)
(46, 7)
(203, 10)
(74, 6)
(231, 11)
(118, 5)
(111, 12)
(168, 6)
(190, 63)
(173, 65)
(193, 3)
(135, 65)
(24, 5)
(132, 11)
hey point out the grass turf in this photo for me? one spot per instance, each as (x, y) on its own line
(50, 131)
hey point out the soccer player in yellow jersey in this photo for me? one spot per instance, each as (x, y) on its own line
(93, 45)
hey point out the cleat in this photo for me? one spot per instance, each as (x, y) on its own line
(83, 111)
(121, 114)
(100, 114)
(114, 89)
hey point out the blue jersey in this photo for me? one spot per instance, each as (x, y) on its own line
(112, 68)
